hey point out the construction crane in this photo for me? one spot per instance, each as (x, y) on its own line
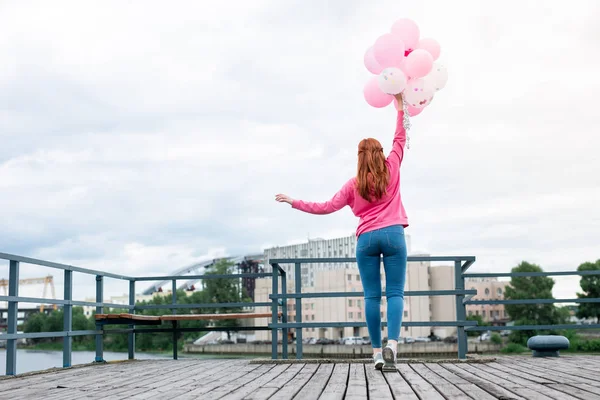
(47, 281)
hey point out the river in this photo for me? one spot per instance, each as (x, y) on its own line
(37, 360)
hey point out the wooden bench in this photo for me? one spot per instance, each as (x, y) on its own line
(135, 319)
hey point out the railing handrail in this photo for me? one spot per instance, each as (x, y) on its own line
(67, 302)
(276, 300)
(64, 267)
(463, 297)
(529, 274)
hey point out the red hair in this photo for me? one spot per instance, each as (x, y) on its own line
(372, 175)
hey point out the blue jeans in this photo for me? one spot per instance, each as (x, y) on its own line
(390, 242)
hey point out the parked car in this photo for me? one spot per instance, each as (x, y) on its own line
(366, 340)
(422, 339)
(325, 341)
(354, 340)
(450, 339)
(485, 336)
(409, 340)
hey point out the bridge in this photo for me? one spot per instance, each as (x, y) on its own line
(249, 263)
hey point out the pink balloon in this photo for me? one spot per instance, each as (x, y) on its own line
(431, 46)
(418, 93)
(418, 63)
(371, 63)
(389, 50)
(374, 96)
(407, 30)
(412, 111)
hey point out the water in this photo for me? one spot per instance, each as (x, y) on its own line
(37, 360)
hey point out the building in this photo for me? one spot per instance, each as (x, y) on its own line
(488, 289)
(317, 248)
(344, 277)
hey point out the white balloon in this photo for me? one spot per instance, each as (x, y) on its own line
(418, 93)
(438, 77)
(391, 80)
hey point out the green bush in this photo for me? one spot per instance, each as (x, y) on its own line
(514, 348)
(496, 338)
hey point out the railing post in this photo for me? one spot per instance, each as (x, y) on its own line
(461, 314)
(131, 335)
(274, 308)
(68, 319)
(174, 301)
(99, 309)
(285, 331)
(298, 286)
(13, 309)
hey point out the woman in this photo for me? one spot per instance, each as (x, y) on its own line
(374, 196)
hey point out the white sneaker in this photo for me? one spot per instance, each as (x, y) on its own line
(378, 358)
(389, 356)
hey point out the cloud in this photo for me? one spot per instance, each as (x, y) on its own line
(140, 137)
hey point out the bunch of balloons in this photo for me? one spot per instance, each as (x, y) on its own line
(404, 63)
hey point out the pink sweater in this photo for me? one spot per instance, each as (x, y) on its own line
(373, 215)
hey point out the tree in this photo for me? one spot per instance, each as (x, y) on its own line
(223, 290)
(531, 287)
(590, 285)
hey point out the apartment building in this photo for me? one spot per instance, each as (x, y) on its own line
(325, 277)
(488, 289)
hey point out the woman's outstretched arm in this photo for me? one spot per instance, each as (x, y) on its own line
(337, 202)
(397, 152)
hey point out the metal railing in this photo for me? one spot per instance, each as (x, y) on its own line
(276, 301)
(461, 264)
(13, 298)
(532, 301)
(463, 297)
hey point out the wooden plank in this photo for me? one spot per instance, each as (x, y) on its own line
(255, 383)
(314, 387)
(400, 388)
(377, 386)
(574, 392)
(522, 387)
(336, 387)
(236, 374)
(556, 365)
(357, 383)
(524, 381)
(502, 368)
(228, 386)
(496, 390)
(440, 384)
(420, 386)
(270, 388)
(196, 317)
(227, 382)
(471, 390)
(291, 388)
(541, 371)
(136, 317)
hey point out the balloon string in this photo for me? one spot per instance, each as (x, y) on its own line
(406, 121)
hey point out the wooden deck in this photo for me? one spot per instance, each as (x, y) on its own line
(527, 378)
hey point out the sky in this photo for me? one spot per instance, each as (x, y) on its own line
(139, 137)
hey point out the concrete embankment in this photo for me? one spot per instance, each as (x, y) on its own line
(343, 351)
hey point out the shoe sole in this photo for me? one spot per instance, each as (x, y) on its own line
(388, 355)
(379, 366)
(390, 363)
